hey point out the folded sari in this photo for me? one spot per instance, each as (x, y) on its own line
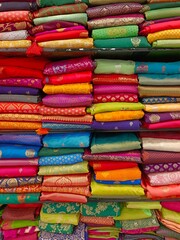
(77, 180)
(24, 139)
(149, 157)
(101, 209)
(61, 160)
(108, 79)
(170, 215)
(115, 32)
(166, 34)
(169, 145)
(46, 3)
(86, 119)
(108, 89)
(60, 10)
(20, 102)
(119, 116)
(79, 233)
(113, 97)
(14, 35)
(15, 44)
(69, 78)
(153, 100)
(163, 125)
(10, 6)
(64, 169)
(103, 2)
(27, 171)
(51, 26)
(18, 182)
(114, 142)
(102, 221)
(160, 192)
(105, 190)
(170, 43)
(77, 88)
(163, 178)
(19, 232)
(108, 66)
(74, 17)
(61, 208)
(9, 26)
(36, 188)
(19, 90)
(161, 117)
(20, 117)
(157, 27)
(67, 140)
(84, 191)
(113, 9)
(69, 43)
(72, 218)
(159, 5)
(56, 228)
(150, 91)
(110, 165)
(157, 79)
(162, 13)
(119, 174)
(9, 225)
(122, 125)
(15, 16)
(132, 156)
(14, 198)
(144, 205)
(44, 152)
(69, 66)
(22, 82)
(173, 206)
(62, 197)
(124, 42)
(18, 151)
(11, 214)
(18, 162)
(161, 167)
(110, 107)
(13, 71)
(68, 100)
(64, 126)
(119, 20)
(128, 182)
(20, 125)
(73, 111)
(169, 107)
(166, 232)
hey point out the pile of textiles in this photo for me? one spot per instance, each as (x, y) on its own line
(116, 25)
(20, 93)
(19, 182)
(20, 222)
(99, 218)
(116, 105)
(61, 25)
(60, 221)
(15, 20)
(161, 168)
(162, 25)
(66, 175)
(68, 88)
(169, 217)
(114, 158)
(159, 91)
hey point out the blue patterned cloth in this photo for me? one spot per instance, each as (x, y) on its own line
(18, 151)
(129, 182)
(24, 139)
(155, 100)
(67, 140)
(61, 126)
(61, 160)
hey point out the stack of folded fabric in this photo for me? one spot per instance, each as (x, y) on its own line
(20, 93)
(138, 218)
(61, 25)
(21, 222)
(116, 25)
(19, 182)
(99, 218)
(15, 21)
(159, 90)
(58, 221)
(65, 174)
(68, 88)
(116, 178)
(161, 164)
(169, 219)
(162, 27)
(116, 105)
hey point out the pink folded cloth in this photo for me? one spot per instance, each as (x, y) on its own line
(173, 206)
